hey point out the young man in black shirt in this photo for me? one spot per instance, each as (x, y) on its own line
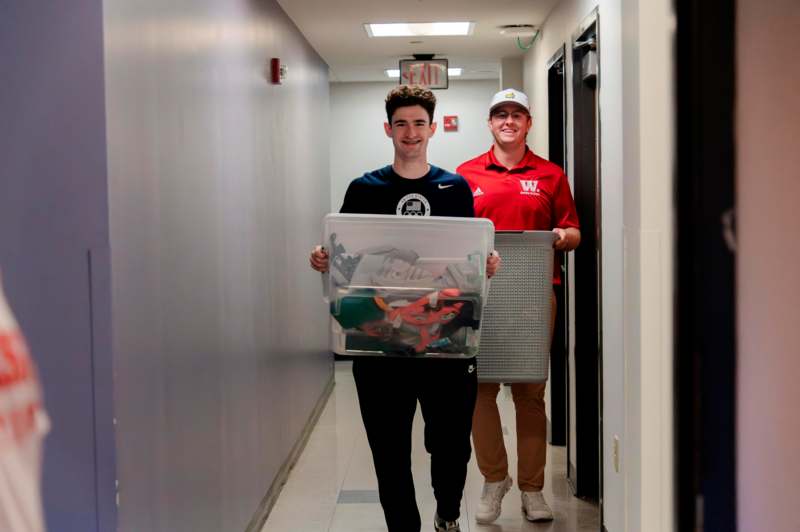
(389, 388)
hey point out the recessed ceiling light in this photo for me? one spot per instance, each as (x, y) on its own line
(416, 29)
(395, 72)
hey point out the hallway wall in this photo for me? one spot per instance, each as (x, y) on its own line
(54, 241)
(768, 254)
(648, 79)
(636, 158)
(358, 143)
(555, 32)
(218, 181)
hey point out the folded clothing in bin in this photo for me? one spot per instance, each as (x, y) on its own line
(392, 303)
(393, 267)
(389, 323)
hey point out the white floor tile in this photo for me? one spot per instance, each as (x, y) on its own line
(337, 457)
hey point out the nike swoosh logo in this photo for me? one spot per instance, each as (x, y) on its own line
(442, 187)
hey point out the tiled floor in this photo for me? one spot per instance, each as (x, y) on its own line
(332, 487)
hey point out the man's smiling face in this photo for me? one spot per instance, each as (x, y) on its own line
(410, 131)
(510, 124)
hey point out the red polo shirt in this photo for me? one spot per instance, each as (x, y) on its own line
(534, 195)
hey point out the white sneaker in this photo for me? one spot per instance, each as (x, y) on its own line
(491, 498)
(535, 507)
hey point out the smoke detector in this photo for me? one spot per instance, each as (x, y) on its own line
(518, 30)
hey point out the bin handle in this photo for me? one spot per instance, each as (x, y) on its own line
(325, 276)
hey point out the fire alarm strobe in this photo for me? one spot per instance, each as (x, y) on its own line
(277, 70)
(451, 122)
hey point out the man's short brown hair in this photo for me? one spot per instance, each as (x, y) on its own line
(408, 95)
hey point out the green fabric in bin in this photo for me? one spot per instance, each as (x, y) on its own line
(356, 310)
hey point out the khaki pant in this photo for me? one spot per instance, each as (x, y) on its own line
(531, 419)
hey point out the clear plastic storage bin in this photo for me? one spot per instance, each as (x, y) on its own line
(406, 286)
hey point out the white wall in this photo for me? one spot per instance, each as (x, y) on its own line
(649, 251)
(511, 73)
(768, 287)
(556, 31)
(358, 143)
(636, 161)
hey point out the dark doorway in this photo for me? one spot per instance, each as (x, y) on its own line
(584, 472)
(705, 308)
(556, 123)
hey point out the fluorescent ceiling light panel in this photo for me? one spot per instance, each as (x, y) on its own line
(419, 29)
(395, 72)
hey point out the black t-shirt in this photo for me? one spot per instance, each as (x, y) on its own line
(382, 191)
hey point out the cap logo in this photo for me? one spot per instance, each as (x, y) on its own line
(510, 95)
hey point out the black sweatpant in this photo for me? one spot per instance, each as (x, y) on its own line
(388, 391)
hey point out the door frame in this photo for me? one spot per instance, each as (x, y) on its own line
(705, 298)
(592, 454)
(559, 351)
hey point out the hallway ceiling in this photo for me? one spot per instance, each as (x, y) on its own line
(335, 30)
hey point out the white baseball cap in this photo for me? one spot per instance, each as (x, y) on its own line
(510, 96)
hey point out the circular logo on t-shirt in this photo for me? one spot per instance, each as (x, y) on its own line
(413, 205)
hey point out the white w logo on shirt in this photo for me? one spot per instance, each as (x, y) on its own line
(529, 186)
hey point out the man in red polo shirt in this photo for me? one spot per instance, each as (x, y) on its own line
(517, 190)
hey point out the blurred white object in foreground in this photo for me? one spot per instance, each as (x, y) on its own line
(23, 424)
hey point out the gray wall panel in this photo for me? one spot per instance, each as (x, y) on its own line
(53, 214)
(218, 183)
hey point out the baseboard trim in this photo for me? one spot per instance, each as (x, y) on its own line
(571, 477)
(264, 509)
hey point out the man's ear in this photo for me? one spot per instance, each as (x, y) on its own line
(387, 127)
(433, 128)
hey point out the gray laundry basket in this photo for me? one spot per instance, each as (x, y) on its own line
(515, 331)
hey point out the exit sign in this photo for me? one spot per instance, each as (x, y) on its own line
(431, 73)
